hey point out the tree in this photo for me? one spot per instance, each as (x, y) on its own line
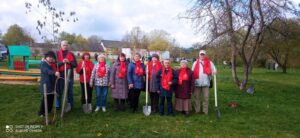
(159, 40)
(16, 35)
(136, 38)
(94, 39)
(243, 23)
(282, 39)
(80, 40)
(67, 36)
(49, 18)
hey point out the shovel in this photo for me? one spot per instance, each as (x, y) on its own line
(146, 108)
(46, 104)
(85, 106)
(218, 113)
(66, 108)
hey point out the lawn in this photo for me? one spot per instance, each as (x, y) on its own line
(273, 111)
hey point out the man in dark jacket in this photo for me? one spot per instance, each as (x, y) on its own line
(64, 56)
(166, 80)
(48, 74)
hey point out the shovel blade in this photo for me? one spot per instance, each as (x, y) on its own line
(147, 110)
(68, 108)
(86, 108)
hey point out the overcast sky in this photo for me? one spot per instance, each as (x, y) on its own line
(110, 19)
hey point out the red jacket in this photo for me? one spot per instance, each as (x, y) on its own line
(88, 70)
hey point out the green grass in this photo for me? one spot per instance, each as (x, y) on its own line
(273, 111)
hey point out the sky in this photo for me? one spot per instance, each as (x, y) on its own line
(110, 19)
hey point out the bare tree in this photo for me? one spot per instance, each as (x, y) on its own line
(243, 23)
(49, 18)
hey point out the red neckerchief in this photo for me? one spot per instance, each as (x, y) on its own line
(122, 69)
(157, 66)
(138, 68)
(101, 69)
(61, 58)
(182, 75)
(206, 67)
(166, 78)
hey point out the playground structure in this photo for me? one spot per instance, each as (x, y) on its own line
(18, 70)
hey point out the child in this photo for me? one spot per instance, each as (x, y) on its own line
(48, 73)
(88, 65)
(166, 79)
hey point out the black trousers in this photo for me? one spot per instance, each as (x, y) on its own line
(134, 95)
(89, 93)
(119, 104)
(154, 97)
(169, 105)
(50, 99)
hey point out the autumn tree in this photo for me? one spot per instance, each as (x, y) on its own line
(243, 22)
(136, 38)
(159, 40)
(16, 35)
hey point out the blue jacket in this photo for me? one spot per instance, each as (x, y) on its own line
(47, 77)
(164, 92)
(137, 81)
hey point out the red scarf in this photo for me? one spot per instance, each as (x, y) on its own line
(206, 68)
(61, 58)
(122, 69)
(138, 68)
(166, 78)
(88, 70)
(101, 69)
(157, 66)
(183, 76)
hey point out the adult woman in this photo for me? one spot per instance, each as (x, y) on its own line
(100, 78)
(184, 88)
(153, 67)
(135, 77)
(119, 82)
(88, 66)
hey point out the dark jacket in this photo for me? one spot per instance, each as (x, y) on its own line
(47, 77)
(72, 64)
(164, 92)
(185, 90)
(137, 81)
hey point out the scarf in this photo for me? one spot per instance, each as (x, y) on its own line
(183, 76)
(122, 69)
(101, 69)
(61, 58)
(138, 68)
(157, 66)
(206, 67)
(166, 78)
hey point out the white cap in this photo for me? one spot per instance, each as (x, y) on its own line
(202, 52)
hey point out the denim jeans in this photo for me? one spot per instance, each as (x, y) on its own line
(101, 94)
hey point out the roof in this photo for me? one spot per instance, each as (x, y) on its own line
(21, 50)
(113, 44)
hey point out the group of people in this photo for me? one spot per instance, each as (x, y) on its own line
(126, 81)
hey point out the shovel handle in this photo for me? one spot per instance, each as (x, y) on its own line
(215, 88)
(84, 81)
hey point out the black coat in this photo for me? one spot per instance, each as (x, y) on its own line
(164, 92)
(47, 77)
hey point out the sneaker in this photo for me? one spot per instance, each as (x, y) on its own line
(97, 109)
(103, 109)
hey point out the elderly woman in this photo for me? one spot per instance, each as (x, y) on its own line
(100, 78)
(153, 67)
(184, 88)
(88, 65)
(135, 77)
(119, 83)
